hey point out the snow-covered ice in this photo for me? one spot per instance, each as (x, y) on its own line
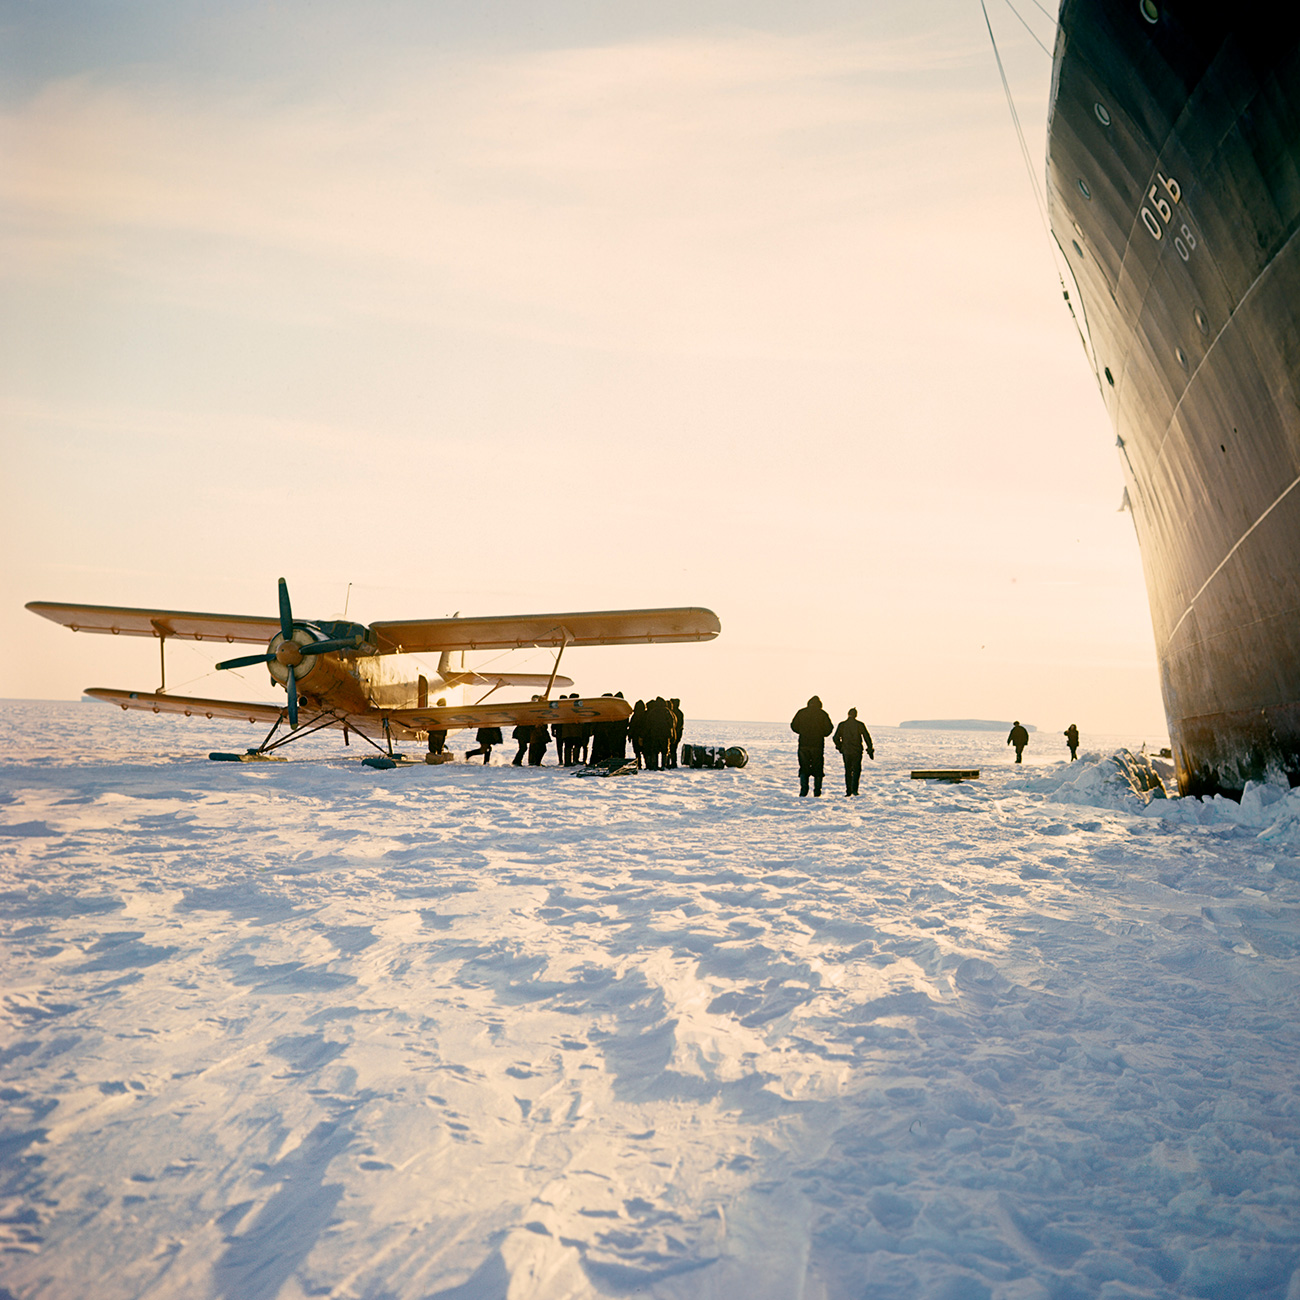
(310, 1029)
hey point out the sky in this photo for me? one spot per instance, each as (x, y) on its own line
(441, 308)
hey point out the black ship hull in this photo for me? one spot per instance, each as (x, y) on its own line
(1174, 193)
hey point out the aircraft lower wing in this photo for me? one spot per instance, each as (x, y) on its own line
(114, 620)
(513, 632)
(188, 705)
(605, 708)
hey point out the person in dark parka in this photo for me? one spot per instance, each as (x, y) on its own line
(679, 722)
(1072, 739)
(851, 737)
(521, 735)
(539, 742)
(486, 737)
(636, 732)
(1018, 737)
(658, 734)
(601, 737)
(438, 735)
(617, 735)
(812, 724)
(571, 737)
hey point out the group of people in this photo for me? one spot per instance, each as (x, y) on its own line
(653, 731)
(1019, 737)
(813, 724)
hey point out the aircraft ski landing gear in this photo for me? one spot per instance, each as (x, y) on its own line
(262, 753)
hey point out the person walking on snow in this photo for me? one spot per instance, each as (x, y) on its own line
(438, 735)
(812, 724)
(1018, 737)
(1072, 739)
(850, 738)
(486, 738)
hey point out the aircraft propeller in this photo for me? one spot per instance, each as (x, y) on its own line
(289, 654)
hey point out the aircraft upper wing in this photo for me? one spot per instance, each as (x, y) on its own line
(605, 708)
(117, 621)
(515, 631)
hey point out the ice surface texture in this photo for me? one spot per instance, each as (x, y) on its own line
(313, 1029)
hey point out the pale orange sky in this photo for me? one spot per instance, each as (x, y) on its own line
(527, 310)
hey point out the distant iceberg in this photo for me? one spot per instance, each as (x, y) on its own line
(962, 724)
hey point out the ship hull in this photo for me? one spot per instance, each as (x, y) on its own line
(1174, 194)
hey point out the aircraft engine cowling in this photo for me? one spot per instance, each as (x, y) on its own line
(292, 652)
(282, 653)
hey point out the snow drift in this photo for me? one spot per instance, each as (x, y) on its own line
(308, 1029)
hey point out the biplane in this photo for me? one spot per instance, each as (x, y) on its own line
(362, 678)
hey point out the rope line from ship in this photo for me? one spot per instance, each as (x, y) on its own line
(1040, 200)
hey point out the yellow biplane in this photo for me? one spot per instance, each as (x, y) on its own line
(361, 678)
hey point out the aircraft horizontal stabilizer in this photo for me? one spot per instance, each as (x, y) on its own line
(516, 631)
(468, 677)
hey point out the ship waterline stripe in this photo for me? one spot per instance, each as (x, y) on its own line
(1173, 632)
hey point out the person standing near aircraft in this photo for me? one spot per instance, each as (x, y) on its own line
(538, 743)
(438, 735)
(616, 735)
(679, 722)
(571, 738)
(486, 738)
(1018, 737)
(812, 724)
(521, 735)
(658, 734)
(600, 736)
(636, 732)
(850, 739)
(1072, 739)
